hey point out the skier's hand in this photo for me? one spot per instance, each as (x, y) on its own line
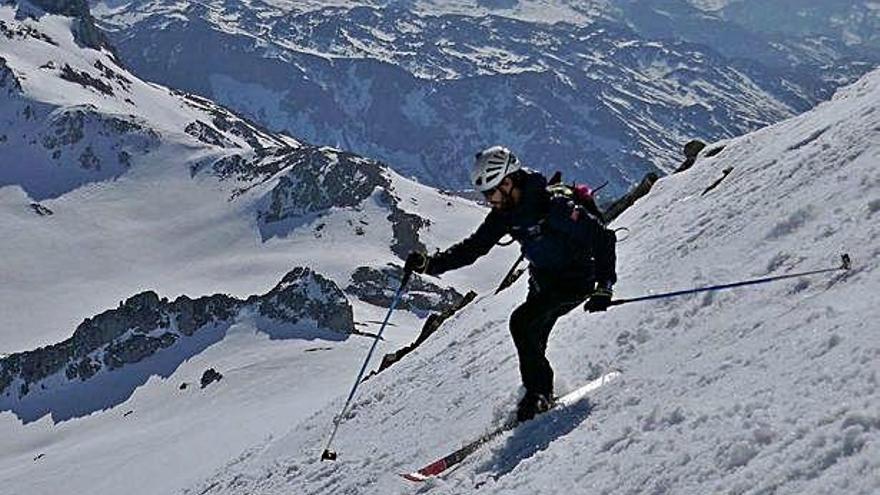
(599, 300)
(416, 262)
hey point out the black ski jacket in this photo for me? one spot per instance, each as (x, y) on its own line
(568, 249)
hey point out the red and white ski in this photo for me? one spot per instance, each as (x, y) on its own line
(437, 467)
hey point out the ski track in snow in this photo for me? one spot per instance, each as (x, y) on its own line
(765, 389)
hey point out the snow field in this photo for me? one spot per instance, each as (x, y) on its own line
(765, 389)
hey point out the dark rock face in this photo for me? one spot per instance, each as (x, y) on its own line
(120, 333)
(8, 79)
(210, 376)
(142, 313)
(207, 134)
(144, 325)
(404, 226)
(84, 29)
(102, 137)
(85, 80)
(379, 286)
(306, 295)
(432, 324)
(84, 369)
(322, 180)
(135, 349)
(318, 179)
(192, 315)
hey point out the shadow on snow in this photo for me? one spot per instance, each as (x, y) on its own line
(534, 436)
(110, 388)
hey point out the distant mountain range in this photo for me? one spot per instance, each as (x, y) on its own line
(100, 161)
(423, 85)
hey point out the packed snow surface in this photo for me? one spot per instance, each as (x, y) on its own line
(764, 389)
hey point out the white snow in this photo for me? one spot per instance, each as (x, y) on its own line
(770, 388)
(153, 227)
(156, 227)
(765, 389)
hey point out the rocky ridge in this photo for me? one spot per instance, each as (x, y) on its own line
(145, 324)
(606, 100)
(375, 286)
(107, 121)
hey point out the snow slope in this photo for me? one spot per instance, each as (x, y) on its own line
(766, 389)
(153, 189)
(201, 202)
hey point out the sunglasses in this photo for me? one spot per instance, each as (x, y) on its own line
(488, 193)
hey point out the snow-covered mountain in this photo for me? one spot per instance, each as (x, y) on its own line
(855, 22)
(186, 296)
(80, 133)
(423, 85)
(834, 40)
(763, 389)
(154, 240)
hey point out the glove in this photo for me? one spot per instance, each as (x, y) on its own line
(599, 300)
(416, 262)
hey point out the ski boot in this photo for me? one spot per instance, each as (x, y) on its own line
(531, 405)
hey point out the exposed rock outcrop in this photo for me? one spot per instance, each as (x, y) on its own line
(377, 286)
(210, 376)
(405, 227)
(207, 134)
(306, 295)
(324, 180)
(429, 328)
(144, 325)
(84, 29)
(95, 140)
(8, 80)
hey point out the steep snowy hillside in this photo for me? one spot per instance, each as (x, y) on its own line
(129, 176)
(179, 283)
(763, 389)
(421, 88)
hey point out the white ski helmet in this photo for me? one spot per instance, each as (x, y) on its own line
(491, 166)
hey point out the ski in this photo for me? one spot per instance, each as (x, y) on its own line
(437, 467)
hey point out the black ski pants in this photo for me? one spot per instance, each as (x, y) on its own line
(530, 326)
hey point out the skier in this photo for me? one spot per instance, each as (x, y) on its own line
(571, 259)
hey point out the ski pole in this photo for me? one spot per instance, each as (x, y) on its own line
(329, 455)
(504, 281)
(846, 264)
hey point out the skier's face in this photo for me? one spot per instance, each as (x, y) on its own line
(503, 196)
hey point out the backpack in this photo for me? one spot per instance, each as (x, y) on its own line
(582, 194)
